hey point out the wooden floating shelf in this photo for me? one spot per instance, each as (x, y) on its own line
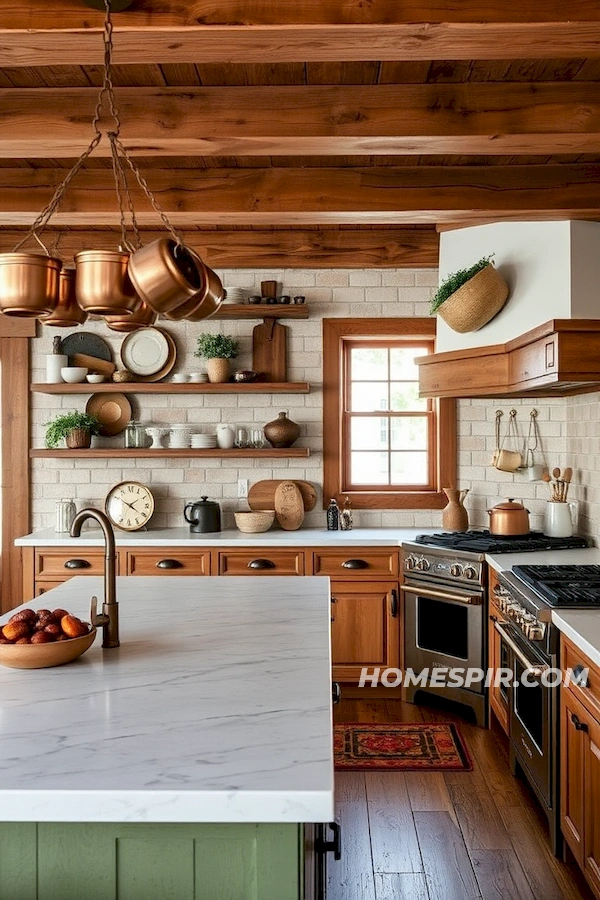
(165, 452)
(262, 311)
(167, 387)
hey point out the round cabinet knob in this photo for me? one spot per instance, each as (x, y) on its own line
(456, 571)
(423, 564)
(470, 572)
(410, 562)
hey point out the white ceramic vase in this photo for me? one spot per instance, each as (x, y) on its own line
(225, 436)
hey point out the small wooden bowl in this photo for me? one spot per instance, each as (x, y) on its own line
(43, 656)
(256, 521)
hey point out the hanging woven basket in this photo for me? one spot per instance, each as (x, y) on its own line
(475, 303)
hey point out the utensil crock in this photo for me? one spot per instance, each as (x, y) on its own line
(102, 284)
(29, 284)
(509, 518)
(560, 518)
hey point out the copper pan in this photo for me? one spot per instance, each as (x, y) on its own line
(102, 285)
(165, 274)
(28, 284)
(141, 318)
(67, 313)
(212, 299)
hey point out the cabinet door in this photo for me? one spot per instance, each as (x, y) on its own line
(364, 627)
(497, 659)
(167, 561)
(574, 721)
(591, 843)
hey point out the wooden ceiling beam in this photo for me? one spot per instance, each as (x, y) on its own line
(138, 45)
(345, 249)
(511, 118)
(288, 196)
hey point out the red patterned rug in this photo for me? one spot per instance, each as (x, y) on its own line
(408, 747)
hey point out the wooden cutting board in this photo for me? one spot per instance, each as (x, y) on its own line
(262, 494)
(269, 350)
(94, 364)
(289, 506)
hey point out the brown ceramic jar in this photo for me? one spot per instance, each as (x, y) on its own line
(282, 432)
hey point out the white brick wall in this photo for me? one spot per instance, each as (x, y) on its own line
(583, 446)
(369, 292)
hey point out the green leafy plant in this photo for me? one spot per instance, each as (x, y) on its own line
(216, 346)
(456, 280)
(57, 430)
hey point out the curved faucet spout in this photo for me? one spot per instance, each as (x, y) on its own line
(110, 607)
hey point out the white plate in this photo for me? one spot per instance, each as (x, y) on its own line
(145, 352)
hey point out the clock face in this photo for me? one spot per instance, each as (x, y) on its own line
(129, 505)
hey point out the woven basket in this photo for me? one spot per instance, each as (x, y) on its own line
(79, 439)
(475, 303)
(256, 521)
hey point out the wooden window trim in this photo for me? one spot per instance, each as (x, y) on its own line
(334, 333)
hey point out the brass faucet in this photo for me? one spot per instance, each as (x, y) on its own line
(110, 608)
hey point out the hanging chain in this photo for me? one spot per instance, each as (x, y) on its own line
(108, 89)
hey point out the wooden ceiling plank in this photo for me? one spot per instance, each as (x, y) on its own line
(315, 196)
(484, 118)
(303, 43)
(318, 248)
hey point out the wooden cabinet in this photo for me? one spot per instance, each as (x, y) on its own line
(260, 561)
(165, 561)
(580, 766)
(356, 562)
(497, 658)
(364, 627)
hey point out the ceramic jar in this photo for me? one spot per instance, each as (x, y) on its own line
(282, 432)
(225, 436)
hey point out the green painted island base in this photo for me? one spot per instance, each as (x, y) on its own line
(122, 861)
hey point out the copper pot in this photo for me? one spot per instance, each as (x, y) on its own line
(102, 285)
(166, 274)
(141, 318)
(68, 312)
(206, 302)
(509, 518)
(28, 284)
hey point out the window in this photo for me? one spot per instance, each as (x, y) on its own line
(384, 446)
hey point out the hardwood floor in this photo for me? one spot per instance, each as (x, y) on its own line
(432, 836)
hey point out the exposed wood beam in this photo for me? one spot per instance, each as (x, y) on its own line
(346, 249)
(72, 14)
(134, 45)
(315, 196)
(514, 118)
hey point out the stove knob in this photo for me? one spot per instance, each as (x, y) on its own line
(535, 631)
(410, 562)
(423, 564)
(470, 572)
(456, 571)
(499, 591)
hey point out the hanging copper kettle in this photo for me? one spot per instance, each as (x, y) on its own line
(68, 313)
(102, 285)
(28, 284)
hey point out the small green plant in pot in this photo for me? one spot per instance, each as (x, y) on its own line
(75, 428)
(217, 350)
(469, 298)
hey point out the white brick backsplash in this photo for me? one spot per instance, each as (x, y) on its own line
(569, 431)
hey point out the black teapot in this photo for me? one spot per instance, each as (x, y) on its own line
(203, 516)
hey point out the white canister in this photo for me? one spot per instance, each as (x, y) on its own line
(225, 436)
(65, 513)
(560, 518)
(54, 363)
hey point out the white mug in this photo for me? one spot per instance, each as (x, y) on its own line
(560, 518)
(507, 460)
(225, 436)
(534, 473)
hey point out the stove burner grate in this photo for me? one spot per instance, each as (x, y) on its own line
(484, 542)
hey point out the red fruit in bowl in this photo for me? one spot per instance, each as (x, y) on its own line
(59, 614)
(42, 637)
(54, 629)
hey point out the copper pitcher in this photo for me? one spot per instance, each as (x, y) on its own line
(68, 313)
(102, 284)
(28, 284)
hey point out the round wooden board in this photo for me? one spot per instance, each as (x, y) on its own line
(262, 494)
(289, 506)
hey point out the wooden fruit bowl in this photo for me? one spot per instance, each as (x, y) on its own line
(42, 656)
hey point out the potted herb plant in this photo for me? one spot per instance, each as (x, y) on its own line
(469, 298)
(75, 428)
(217, 350)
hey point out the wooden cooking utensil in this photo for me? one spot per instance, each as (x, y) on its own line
(99, 366)
(289, 507)
(556, 472)
(269, 351)
(262, 494)
(567, 475)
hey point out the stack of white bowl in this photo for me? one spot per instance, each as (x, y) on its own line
(204, 441)
(235, 295)
(180, 437)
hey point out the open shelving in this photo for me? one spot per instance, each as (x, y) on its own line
(167, 452)
(168, 387)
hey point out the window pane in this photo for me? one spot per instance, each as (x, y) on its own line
(369, 468)
(404, 396)
(369, 363)
(369, 434)
(409, 433)
(369, 396)
(409, 468)
(402, 364)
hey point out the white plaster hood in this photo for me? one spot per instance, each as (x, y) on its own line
(552, 269)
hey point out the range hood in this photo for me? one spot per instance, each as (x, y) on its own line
(546, 340)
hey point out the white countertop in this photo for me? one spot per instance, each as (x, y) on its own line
(182, 537)
(582, 626)
(216, 708)
(502, 562)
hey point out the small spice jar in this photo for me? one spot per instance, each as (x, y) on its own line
(135, 435)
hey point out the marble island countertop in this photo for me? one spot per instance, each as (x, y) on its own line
(216, 708)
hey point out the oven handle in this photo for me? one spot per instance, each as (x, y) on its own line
(472, 599)
(536, 669)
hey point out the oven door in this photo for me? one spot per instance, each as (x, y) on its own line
(530, 708)
(443, 628)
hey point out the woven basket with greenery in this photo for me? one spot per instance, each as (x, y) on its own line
(467, 300)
